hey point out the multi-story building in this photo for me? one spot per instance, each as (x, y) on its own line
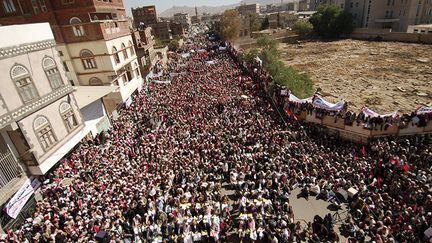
(40, 120)
(182, 18)
(145, 15)
(144, 42)
(162, 30)
(177, 29)
(282, 19)
(314, 4)
(246, 9)
(390, 14)
(93, 40)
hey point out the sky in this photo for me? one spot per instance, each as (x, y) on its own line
(162, 5)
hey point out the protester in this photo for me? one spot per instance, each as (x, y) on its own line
(206, 158)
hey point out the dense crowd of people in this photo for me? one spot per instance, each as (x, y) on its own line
(206, 159)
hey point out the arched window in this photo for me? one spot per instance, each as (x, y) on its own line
(88, 59)
(124, 51)
(52, 72)
(21, 77)
(77, 26)
(136, 70)
(131, 47)
(115, 54)
(95, 82)
(44, 132)
(68, 116)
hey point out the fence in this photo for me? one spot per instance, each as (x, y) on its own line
(9, 168)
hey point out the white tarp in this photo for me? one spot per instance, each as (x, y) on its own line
(424, 110)
(293, 98)
(17, 202)
(321, 103)
(370, 113)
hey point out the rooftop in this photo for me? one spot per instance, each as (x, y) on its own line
(16, 35)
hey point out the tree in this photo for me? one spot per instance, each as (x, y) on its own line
(255, 22)
(303, 28)
(173, 45)
(330, 21)
(265, 24)
(229, 28)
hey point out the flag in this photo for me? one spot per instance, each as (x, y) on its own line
(291, 114)
(406, 167)
(363, 150)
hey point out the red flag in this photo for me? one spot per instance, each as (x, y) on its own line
(363, 150)
(291, 114)
(406, 167)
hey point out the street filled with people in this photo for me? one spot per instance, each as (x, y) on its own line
(206, 158)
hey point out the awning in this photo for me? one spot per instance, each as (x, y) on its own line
(86, 95)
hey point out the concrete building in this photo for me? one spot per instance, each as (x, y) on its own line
(247, 9)
(390, 14)
(40, 120)
(177, 29)
(304, 5)
(420, 29)
(182, 18)
(93, 40)
(282, 19)
(162, 30)
(146, 15)
(314, 4)
(245, 27)
(144, 43)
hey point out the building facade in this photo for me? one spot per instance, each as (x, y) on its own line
(396, 15)
(182, 18)
(247, 9)
(314, 4)
(144, 42)
(144, 15)
(93, 40)
(39, 117)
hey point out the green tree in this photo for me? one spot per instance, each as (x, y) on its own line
(173, 45)
(255, 22)
(230, 24)
(265, 24)
(300, 84)
(330, 21)
(303, 28)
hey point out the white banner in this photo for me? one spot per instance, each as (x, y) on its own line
(162, 81)
(185, 55)
(293, 98)
(222, 48)
(370, 113)
(128, 102)
(321, 103)
(17, 202)
(211, 62)
(424, 110)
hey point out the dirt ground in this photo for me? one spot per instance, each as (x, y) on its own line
(386, 76)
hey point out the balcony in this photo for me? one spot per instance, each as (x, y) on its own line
(95, 31)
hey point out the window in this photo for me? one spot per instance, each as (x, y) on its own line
(9, 6)
(65, 66)
(115, 54)
(43, 6)
(68, 1)
(88, 59)
(77, 27)
(95, 82)
(60, 53)
(136, 70)
(44, 132)
(21, 76)
(124, 51)
(35, 6)
(52, 72)
(132, 51)
(68, 116)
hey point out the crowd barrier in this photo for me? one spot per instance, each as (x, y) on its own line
(357, 131)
